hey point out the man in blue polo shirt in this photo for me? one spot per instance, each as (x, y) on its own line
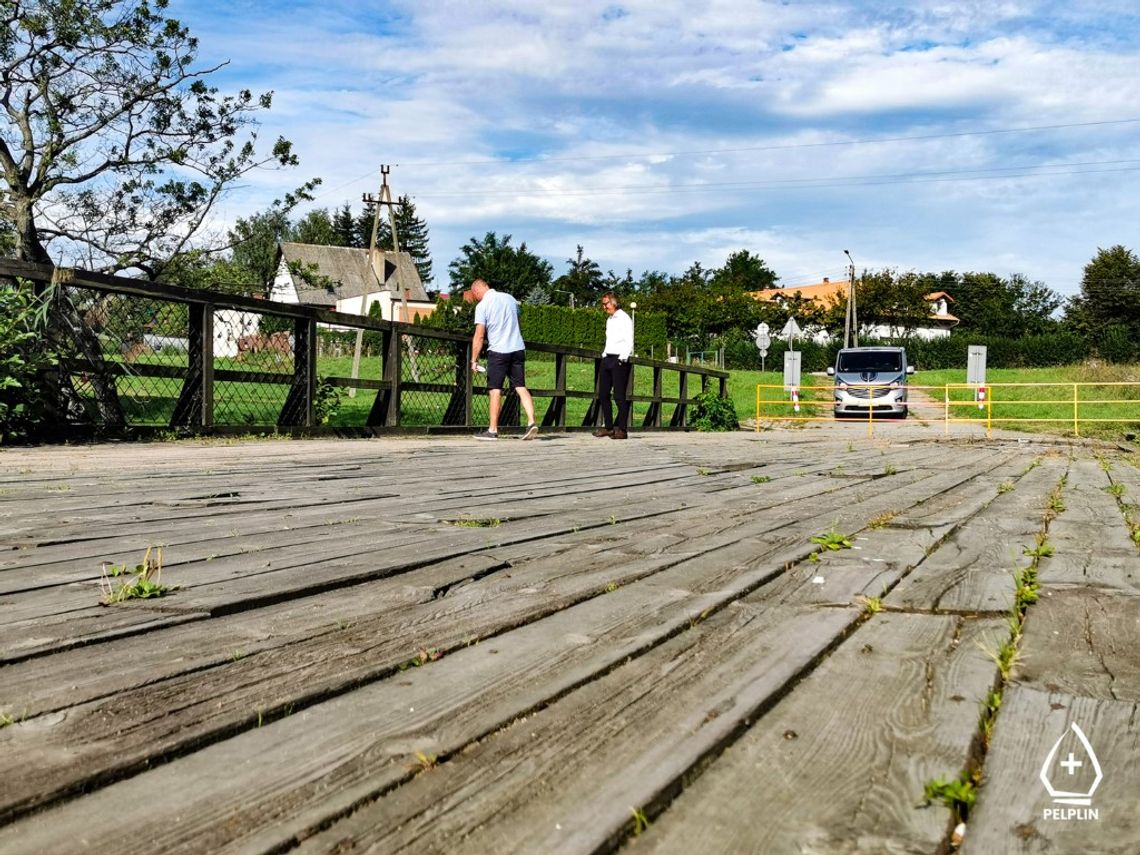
(497, 324)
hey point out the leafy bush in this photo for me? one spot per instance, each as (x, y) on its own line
(326, 402)
(1115, 344)
(23, 355)
(711, 412)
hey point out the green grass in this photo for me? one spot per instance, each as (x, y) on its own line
(1103, 410)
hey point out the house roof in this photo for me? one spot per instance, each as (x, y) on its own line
(351, 274)
(820, 291)
(824, 291)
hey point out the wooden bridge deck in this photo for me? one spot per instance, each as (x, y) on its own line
(569, 645)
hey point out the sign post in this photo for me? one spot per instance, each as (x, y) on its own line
(792, 362)
(763, 341)
(790, 331)
(976, 372)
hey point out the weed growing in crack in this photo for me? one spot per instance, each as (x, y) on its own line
(959, 795)
(145, 584)
(988, 716)
(761, 479)
(833, 540)
(1042, 550)
(424, 762)
(1005, 487)
(882, 520)
(469, 522)
(640, 823)
(422, 657)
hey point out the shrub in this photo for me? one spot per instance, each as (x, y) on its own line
(1115, 344)
(711, 412)
(23, 355)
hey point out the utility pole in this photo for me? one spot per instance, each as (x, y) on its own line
(385, 198)
(851, 324)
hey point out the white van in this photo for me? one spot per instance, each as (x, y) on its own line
(869, 378)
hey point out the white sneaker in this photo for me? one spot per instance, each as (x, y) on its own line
(531, 432)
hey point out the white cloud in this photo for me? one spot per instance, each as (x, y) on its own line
(660, 132)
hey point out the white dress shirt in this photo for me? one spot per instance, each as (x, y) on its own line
(619, 335)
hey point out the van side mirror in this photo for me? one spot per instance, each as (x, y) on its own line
(910, 369)
(830, 371)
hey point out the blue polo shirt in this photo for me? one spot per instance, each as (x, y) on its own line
(499, 313)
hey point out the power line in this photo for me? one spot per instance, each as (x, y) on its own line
(777, 147)
(978, 174)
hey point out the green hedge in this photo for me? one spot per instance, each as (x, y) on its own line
(586, 328)
(949, 352)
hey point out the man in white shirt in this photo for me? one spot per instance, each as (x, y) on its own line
(615, 368)
(497, 324)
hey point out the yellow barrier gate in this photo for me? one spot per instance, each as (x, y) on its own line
(1116, 402)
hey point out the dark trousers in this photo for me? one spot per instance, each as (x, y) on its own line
(615, 379)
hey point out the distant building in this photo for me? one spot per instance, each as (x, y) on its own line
(938, 325)
(355, 283)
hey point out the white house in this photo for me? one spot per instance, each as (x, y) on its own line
(355, 282)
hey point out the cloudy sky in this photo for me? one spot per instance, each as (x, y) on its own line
(997, 135)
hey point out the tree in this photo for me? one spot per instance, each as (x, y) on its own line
(500, 265)
(116, 150)
(201, 270)
(413, 234)
(254, 243)
(891, 300)
(990, 305)
(582, 281)
(316, 227)
(743, 272)
(344, 227)
(1110, 294)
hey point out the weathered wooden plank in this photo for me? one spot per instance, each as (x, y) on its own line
(1082, 641)
(262, 578)
(547, 782)
(224, 698)
(839, 765)
(1014, 809)
(1109, 560)
(973, 570)
(320, 761)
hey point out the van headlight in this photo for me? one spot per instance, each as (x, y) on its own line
(842, 385)
(895, 384)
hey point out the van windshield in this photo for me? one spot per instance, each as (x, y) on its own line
(863, 361)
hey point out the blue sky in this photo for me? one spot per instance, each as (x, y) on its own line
(998, 136)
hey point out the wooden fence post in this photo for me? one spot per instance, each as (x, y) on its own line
(195, 406)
